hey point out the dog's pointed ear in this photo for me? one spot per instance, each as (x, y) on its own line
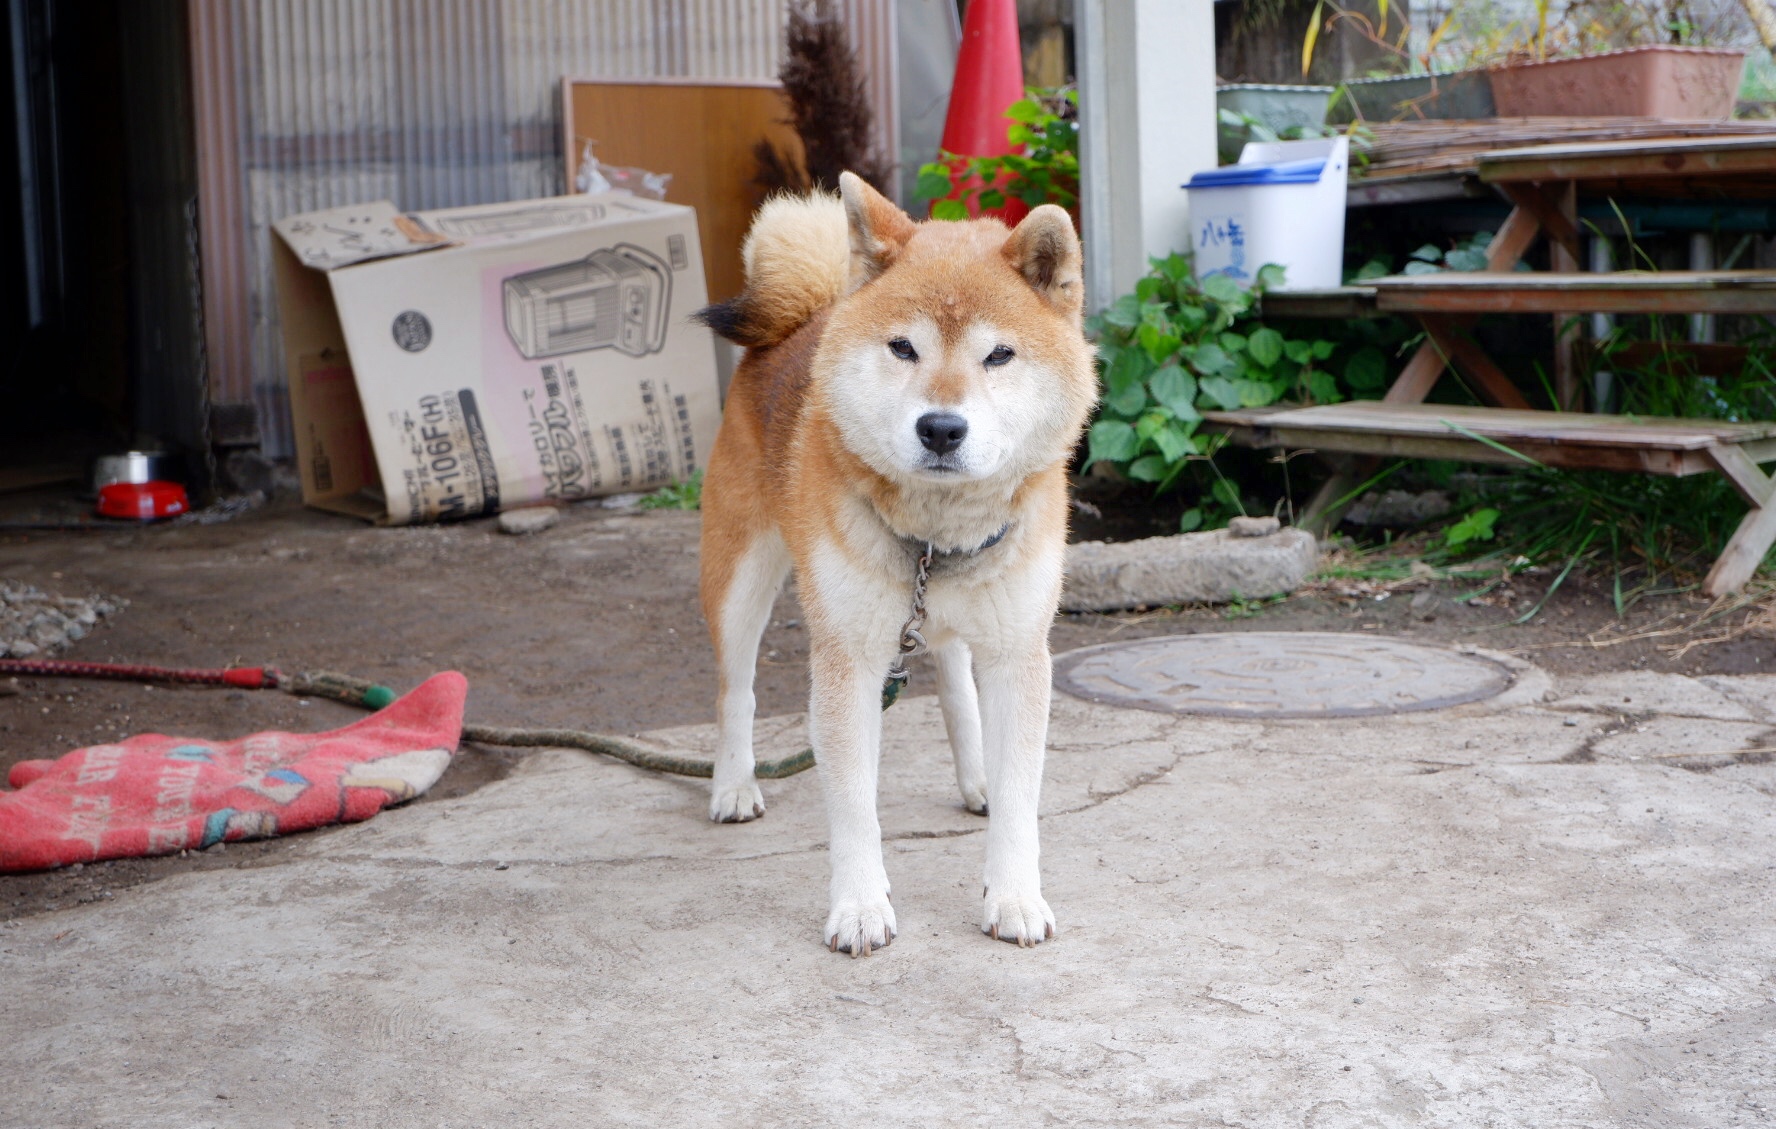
(1045, 250)
(878, 229)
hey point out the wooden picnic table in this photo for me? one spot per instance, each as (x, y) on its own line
(1543, 182)
(1698, 165)
(1579, 292)
(1417, 161)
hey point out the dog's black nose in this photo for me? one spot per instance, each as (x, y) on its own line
(941, 432)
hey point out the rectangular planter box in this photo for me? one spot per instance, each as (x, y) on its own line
(1279, 107)
(1410, 97)
(1698, 83)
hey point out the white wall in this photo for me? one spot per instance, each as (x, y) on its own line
(1147, 122)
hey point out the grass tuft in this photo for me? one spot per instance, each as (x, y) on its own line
(686, 495)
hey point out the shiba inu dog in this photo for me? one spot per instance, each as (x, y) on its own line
(909, 390)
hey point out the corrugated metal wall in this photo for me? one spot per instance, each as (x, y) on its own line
(306, 104)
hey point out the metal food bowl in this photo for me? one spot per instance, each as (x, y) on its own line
(132, 466)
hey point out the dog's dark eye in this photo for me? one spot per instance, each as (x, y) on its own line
(999, 355)
(903, 349)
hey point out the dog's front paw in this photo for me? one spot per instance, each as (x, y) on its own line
(860, 925)
(1023, 919)
(974, 797)
(737, 803)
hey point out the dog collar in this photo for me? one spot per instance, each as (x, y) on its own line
(980, 548)
(919, 547)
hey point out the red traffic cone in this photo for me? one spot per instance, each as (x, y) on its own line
(989, 78)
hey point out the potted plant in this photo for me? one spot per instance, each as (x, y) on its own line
(1276, 108)
(1602, 58)
(1237, 126)
(1656, 81)
(1612, 59)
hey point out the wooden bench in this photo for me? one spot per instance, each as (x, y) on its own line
(1340, 303)
(1578, 292)
(1566, 440)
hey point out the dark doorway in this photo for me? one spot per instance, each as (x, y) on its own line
(98, 198)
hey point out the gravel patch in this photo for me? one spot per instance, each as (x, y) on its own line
(35, 623)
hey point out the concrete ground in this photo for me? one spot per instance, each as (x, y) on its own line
(1549, 910)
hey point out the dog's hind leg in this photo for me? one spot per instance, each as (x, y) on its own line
(961, 713)
(740, 584)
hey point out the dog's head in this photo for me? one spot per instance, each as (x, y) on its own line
(958, 354)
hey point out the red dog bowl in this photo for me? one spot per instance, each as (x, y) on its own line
(143, 501)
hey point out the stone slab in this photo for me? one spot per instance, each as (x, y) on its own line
(1649, 692)
(529, 519)
(1687, 742)
(1189, 568)
(1757, 692)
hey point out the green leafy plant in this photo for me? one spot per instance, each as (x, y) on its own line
(1237, 128)
(1242, 608)
(1176, 347)
(1044, 171)
(1464, 255)
(1477, 526)
(1251, 128)
(685, 495)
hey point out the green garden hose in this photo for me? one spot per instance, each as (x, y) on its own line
(368, 695)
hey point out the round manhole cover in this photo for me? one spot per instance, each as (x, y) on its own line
(1279, 674)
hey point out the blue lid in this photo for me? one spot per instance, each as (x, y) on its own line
(1283, 172)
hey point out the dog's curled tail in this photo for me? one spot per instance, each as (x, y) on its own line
(797, 259)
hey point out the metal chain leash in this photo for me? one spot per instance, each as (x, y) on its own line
(912, 642)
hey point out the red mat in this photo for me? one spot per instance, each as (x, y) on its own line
(154, 794)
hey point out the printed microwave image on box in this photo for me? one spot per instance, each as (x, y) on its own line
(615, 297)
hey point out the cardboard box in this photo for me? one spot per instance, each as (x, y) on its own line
(450, 363)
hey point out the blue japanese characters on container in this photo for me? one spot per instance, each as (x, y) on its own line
(1223, 238)
(1283, 204)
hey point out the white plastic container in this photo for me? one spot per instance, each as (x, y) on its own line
(1283, 203)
